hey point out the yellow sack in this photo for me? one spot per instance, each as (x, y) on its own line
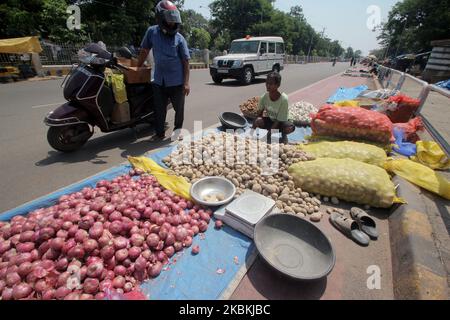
(346, 149)
(118, 86)
(346, 179)
(429, 153)
(420, 175)
(316, 138)
(347, 103)
(174, 183)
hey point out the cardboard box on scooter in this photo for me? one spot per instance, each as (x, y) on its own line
(128, 62)
(138, 75)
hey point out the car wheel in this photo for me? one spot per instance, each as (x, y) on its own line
(217, 79)
(247, 76)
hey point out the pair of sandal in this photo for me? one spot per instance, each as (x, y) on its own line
(360, 227)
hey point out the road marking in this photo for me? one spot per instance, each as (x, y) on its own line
(314, 84)
(47, 105)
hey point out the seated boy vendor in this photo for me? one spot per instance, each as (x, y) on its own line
(273, 109)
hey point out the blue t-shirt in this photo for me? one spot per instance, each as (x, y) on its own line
(168, 52)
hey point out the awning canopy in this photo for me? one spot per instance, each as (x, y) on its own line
(20, 45)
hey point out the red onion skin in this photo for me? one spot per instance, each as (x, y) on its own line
(81, 235)
(203, 226)
(7, 294)
(25, 247)
(121, 255)
(62, 292)
(95, 270)
(107, 252)
(41, 286)
(100, 296)
(195, 250)
(120, 271)
(134, 253)
(118, 282)
(153, 240)
(178, 246)
(57, 244)
(26, 236)
(137, 240)
(12, 279)
(141, 264)
(96, 231)
(24, 269)
(187, 242)
(120, 243)
(62, 264)
(155, 270)
(21, 291)
(170, 240)
(169, 251)
(91, 286)
(49, 294)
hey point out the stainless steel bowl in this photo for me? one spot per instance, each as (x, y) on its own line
(294, 247)
(213, 185)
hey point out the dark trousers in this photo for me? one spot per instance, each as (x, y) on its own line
(161, 96)
(286, 127)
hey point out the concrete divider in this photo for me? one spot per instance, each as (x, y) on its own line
(417, 266)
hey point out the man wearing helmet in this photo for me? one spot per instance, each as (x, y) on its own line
(171, 56)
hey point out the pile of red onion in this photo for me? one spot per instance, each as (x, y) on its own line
(110, 238)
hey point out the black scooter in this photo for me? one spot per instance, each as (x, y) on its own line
(91, 102)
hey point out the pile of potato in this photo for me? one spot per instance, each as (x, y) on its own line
(250, 107)
(203, 159)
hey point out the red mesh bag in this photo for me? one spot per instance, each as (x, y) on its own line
(406, 108)
(353, 123)
(411, 128)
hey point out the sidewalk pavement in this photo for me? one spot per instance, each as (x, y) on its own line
(412, 253)
(348, 280)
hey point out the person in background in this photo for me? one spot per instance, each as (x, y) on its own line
(273, 109)
(171, 65)
(352, 61)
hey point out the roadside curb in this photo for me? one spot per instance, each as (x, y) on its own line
(198, 66)
(417, 267)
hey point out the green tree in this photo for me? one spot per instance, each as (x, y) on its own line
(358, 53)
(349, 53)
(413, 24)
(200, 38)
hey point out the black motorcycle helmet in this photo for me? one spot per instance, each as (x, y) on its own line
(167, 12)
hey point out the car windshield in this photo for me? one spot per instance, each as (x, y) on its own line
(244, 47)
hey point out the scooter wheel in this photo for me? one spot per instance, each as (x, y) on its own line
(68, 138)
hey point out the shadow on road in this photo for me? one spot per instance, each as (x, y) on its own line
(275, 286)
(235, 83)
(126, 140)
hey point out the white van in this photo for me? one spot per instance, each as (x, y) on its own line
(249, 57)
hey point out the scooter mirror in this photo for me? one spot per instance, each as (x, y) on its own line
(124, 52)
(95, 48)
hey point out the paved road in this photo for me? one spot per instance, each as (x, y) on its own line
(30, 168)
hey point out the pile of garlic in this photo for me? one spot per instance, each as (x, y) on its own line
(300, 113)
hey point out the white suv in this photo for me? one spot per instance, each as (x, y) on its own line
(249, 57)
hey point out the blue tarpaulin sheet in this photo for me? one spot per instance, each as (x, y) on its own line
(347, 93)
(207, 276)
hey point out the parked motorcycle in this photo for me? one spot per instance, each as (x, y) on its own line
(91, 102)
